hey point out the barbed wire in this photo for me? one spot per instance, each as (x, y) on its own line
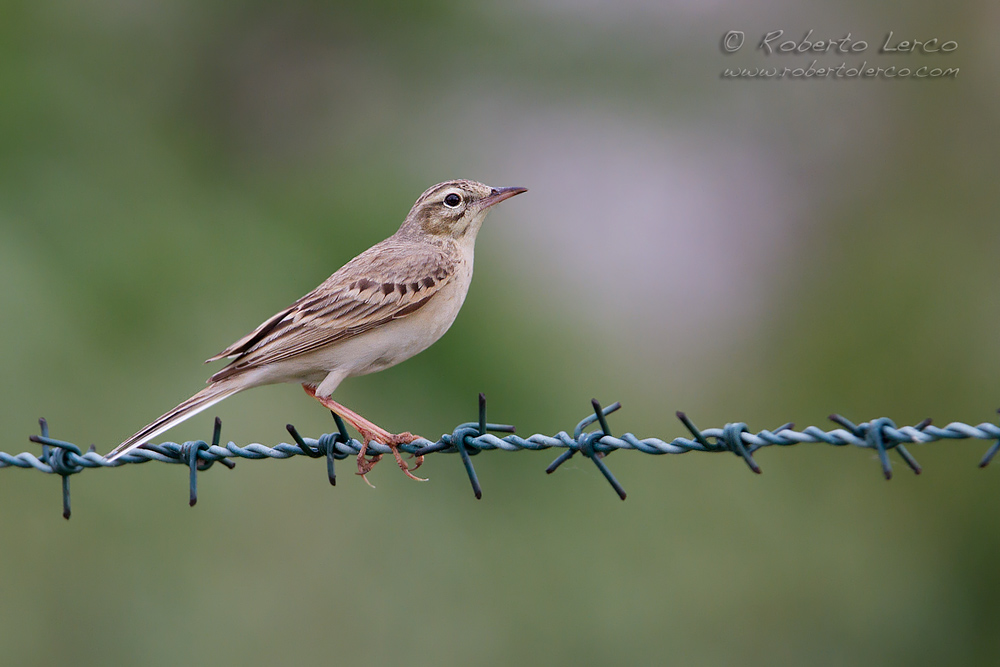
(470, 438)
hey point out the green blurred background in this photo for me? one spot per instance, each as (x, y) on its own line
(171, 173)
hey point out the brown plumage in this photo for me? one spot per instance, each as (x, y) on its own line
(385, 305)
(345, 305)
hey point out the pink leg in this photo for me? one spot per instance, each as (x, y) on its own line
(369, 432)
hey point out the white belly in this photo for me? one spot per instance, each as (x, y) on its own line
(379, 348)
(400, 339)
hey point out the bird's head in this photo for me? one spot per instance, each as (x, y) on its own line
(455, 209)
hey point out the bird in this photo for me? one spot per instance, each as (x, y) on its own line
(389, 303)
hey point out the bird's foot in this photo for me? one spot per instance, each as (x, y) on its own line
(392, 440)
(370, 432)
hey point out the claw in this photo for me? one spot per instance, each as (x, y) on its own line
(405, 439)
(371, 432)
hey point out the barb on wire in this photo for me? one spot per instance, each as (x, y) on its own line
(881, 435)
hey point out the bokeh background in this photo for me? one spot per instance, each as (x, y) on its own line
(173, 172)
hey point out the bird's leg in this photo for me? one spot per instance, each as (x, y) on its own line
(369, 432)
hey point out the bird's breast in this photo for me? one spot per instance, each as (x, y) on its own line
(400, 339)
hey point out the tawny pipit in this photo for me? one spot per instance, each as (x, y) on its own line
(382, 307)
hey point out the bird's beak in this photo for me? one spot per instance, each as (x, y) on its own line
(497, 195)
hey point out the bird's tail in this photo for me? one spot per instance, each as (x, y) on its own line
(203, 400)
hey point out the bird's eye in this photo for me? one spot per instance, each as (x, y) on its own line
(452, 200)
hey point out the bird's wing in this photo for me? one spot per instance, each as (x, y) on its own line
(388, 281)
